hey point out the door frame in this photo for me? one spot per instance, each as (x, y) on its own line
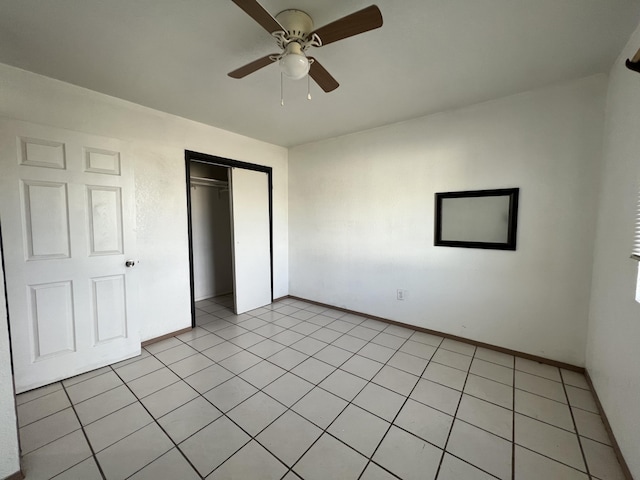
(190, 155)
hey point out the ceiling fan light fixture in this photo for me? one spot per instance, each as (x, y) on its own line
(295, 65)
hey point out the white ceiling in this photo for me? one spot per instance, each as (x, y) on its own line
(429, 56)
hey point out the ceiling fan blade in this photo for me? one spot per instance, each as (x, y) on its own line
(359, 22)
(259, 14)
(322, 77)
(253, 66)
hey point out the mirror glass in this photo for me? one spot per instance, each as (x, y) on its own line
(475, 219)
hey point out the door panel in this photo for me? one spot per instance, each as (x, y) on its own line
(42, 153)
(46, 221)
(105, 220)
(67, 213)
(109, 307)
(52, 322)
(251, 239)
(102, 161)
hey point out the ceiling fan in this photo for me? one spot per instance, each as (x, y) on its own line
(294, 34)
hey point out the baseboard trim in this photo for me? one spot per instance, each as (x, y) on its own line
(16, 476)
(165, 336)
(607, 427)
(280, 298)
(528, 356)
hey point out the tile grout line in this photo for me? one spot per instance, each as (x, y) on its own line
(314, 385)
(555, 460)
(513, 403)
(304, 353)
(371, 381)
(71, 406)
(391, 423)
(86, 437)
(551, 424)
(246, 349)
(222, 414)
(181, 378)
(452, 416)
(40, 396)
(287, 408)
(260, 357)
(455, 415)
(349, 402)
(439, 346)
(584, 457)
(482, 359)
(112, 388)
(462, 393)
(299, 321)
(332, 344)
(160, 426)
(284, 329)
(513, 423)
(57, 411)
(115, 411)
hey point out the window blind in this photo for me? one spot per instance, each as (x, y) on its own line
(635, 253)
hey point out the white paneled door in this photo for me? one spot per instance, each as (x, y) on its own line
(67, 218)
(251, 239)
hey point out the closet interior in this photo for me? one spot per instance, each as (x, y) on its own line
(211, 230)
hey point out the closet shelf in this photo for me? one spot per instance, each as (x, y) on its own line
(209, 182)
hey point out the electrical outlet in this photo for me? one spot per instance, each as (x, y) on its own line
(402, 294)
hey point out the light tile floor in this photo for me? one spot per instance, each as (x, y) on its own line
(294, 390)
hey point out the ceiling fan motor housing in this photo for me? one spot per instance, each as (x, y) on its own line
(298, 24)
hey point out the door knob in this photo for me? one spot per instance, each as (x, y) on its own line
(129, 263)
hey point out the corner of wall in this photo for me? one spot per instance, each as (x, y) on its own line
(614, 325)
(9, 446)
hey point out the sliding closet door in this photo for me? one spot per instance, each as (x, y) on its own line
(251, 239)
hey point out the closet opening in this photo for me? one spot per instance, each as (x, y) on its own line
(230, 231)
(211, 231)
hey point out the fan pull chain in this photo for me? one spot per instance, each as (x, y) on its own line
(281, 90)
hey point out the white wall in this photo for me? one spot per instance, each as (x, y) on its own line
(613, 352)
(361, 219)
(158, 141)
(9, 454)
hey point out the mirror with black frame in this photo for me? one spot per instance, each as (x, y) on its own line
(477, 219)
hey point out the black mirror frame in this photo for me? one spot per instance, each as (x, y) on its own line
(512, 193)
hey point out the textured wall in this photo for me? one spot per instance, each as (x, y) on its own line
(361, 219)
(614, 324)
(9, 455)
(158, 141)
